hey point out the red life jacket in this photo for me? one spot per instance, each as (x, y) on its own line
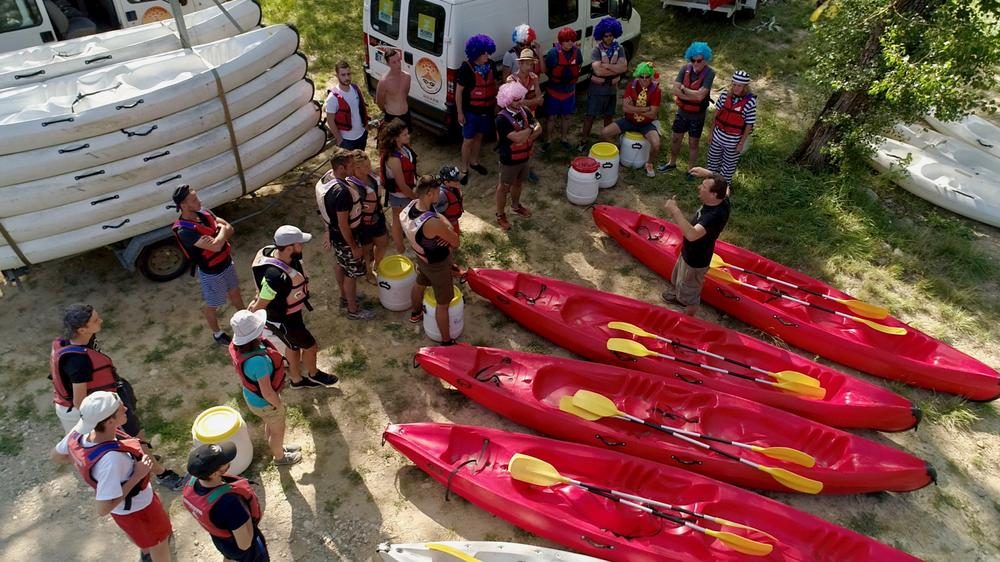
(564, 73)
(530, 84)
(484, 94)
(455, 207)
(692, 84)
(729, 119)
(649, 94)
(267, 349)
(200, 506)
(207, 227)
(519, 152)
(84, 458)
(370, 208)
(299, 294)
(342, 118)
(409, 170)
(104, 378)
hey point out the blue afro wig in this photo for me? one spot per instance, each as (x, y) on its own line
(608, 25)
(698, 48)
(479, 44)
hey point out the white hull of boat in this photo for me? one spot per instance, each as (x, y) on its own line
(481, 551)
(972, 129)
(962, 154)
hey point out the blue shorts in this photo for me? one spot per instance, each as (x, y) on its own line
(692, 124)
(601, 105)
(476, 124)
(554, 107)
(357, 144)
(627, 126)
(214, 288)
(398, 200)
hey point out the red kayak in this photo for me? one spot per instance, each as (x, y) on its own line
(913, 357)
(474, 461)
(577, 318)
(526, 388)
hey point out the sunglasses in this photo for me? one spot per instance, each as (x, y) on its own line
(698, 60)
(606, 35)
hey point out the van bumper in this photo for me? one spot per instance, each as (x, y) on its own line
(440, 122)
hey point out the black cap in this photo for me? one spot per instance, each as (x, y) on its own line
(449, 173)
(206, 459)
(180, 194)
(75, 317)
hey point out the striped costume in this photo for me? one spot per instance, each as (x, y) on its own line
(722, 154)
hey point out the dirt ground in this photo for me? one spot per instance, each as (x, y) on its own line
(351, 493)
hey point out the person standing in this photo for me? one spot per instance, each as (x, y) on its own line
(450, 202)
(563, 63)
(517, 130)
(433, 240)
(476, 100)
(524, 37)
(700, 234)
(346, 105)
(529, 79)
(641, 104)
(283, 289)
(690, 89)
(204, 239)
(116, 467)
(735, 116)
(373, 234)
(398, 170)
(261, 370)
(392, 95)
(224, 505)
(608, 64)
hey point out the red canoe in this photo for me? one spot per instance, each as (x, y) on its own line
(473, 461)
(576, 318)
(914, 358)
(526, 388)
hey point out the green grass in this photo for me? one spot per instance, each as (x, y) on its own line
(353, 366)
(954, 412)
(11, 445)
(166, 346)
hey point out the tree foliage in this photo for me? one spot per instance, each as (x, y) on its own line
(890, 61)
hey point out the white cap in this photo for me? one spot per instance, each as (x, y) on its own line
(247, 326)
(286, 235)
(96, 408)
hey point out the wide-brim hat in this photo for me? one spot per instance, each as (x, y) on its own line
(248, 326)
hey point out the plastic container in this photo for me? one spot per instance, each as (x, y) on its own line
(634, 150)
(456, 315)
(221, 424)
(396, 276)
(582, 181)
(607, 156)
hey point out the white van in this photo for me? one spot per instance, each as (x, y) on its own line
(432, 36)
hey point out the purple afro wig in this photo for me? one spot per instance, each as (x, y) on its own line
(479, 44)
(608, 25)
(698, 49)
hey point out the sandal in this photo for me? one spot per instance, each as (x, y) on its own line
(502, 221)
(416, 316)
(521, 210)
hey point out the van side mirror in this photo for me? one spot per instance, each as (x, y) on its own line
(621, 9)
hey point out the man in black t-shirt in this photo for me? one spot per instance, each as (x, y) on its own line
(700, 234)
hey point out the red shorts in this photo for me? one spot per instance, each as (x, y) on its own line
(147, 527)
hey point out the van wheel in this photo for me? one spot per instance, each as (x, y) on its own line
(162, 261)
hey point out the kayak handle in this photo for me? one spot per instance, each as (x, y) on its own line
(96, 59)
(531, 300)
(727, 294)
(649, 234)
(138, 134)
(128, 105)
(74, 149)
(155, 156)
(63, 120)
(29, 75)
(596, 544)
(119, 225)
(687, 379)
(984, 144)
(785, 323)
(685, 462)
(607, 443)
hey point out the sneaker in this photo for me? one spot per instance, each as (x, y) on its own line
(325, 379)
(361, 314)
(306, 382)
(446, 343)
(502, 221)
(416, 316)
(666, 167)
(465, 179)
(289, 459)
(170, 480)
(581, 148)
(360, 300)
(533, 177)
(222, 339)
(291, 448)
(649, 171)
(669, 297)
(521, 210)
(479, 168)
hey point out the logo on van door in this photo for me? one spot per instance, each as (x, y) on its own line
(156, 13)
(428, 75)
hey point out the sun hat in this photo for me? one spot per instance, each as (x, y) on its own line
(247, 326)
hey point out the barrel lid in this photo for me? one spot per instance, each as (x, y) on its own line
(634, 136)
(604, 150)
(216, 425)
(430, 300)
(395, 267)
(586, 165)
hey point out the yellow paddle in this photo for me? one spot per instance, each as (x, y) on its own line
(863, 308)
(785, 376)
(635, 348)
(451, 551)
(593, 406)
(602, 406)
(535, 471)
(725, 277)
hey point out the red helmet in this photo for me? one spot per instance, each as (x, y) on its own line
(566, 34)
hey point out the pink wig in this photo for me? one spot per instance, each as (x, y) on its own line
(510, 92)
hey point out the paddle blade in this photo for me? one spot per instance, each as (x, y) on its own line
(595, 403)
(533, 471)
(891, 330)
(717, 262)
(728, 523)
(741, 544)
(796, 377)
(786, 454)
(817, 392)
(566, 405)
(629, 347)
(865, 309)
(721, 275)
(630, 328)
(451, 551)
(794, 481)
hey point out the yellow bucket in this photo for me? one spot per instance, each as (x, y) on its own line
(431, 301)
(216, 425)
(605, 150)
(634, 136)
(395, 267)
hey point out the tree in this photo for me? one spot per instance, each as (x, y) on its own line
(890, 61)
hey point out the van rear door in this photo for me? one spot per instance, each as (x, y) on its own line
(424, 52)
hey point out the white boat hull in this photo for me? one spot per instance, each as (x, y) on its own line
(972, 129)
(482, 551)
(951, 149)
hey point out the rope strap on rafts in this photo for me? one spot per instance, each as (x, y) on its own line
(13, 245)
(232, 132)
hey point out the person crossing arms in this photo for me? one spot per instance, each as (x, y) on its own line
(735, 116)
(608, 65)
(476, 101)
(563, 63)
(517, 130)
(641, 104)
(691, 94)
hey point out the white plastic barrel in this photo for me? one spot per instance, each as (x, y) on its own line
(607, 157)
(582, 181)
(456, 315)
(396, 276)
(221, 424)
(634, 150)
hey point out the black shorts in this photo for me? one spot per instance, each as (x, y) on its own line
(689, 123)
(293, 332)
(369, 232)
(405, 118)
(132, 423)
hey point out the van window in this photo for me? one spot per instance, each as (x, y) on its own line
(15, 15)
(598, 8)
(425, 26)
(385, 17)
(562, 12)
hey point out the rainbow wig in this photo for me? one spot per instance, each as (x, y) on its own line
(523, 35)
(608, 25)
(479, 44)
(698, 48)
(510, 92)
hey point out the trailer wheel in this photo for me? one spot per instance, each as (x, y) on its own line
(162, 261)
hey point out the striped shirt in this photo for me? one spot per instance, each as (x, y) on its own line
(749, 114)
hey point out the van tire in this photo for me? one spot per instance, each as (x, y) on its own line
(162, 261)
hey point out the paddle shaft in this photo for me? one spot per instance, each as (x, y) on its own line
(620, 498)
(680, 434)
(783, 282)
(714, 355)
(716, 369)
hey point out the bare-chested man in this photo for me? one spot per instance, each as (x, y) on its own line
(394, 88)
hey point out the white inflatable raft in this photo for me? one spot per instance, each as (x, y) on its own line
(972, 129)
(45, 62)
(455, 551)
(77, 106)
(952, 149)
(940, 181)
